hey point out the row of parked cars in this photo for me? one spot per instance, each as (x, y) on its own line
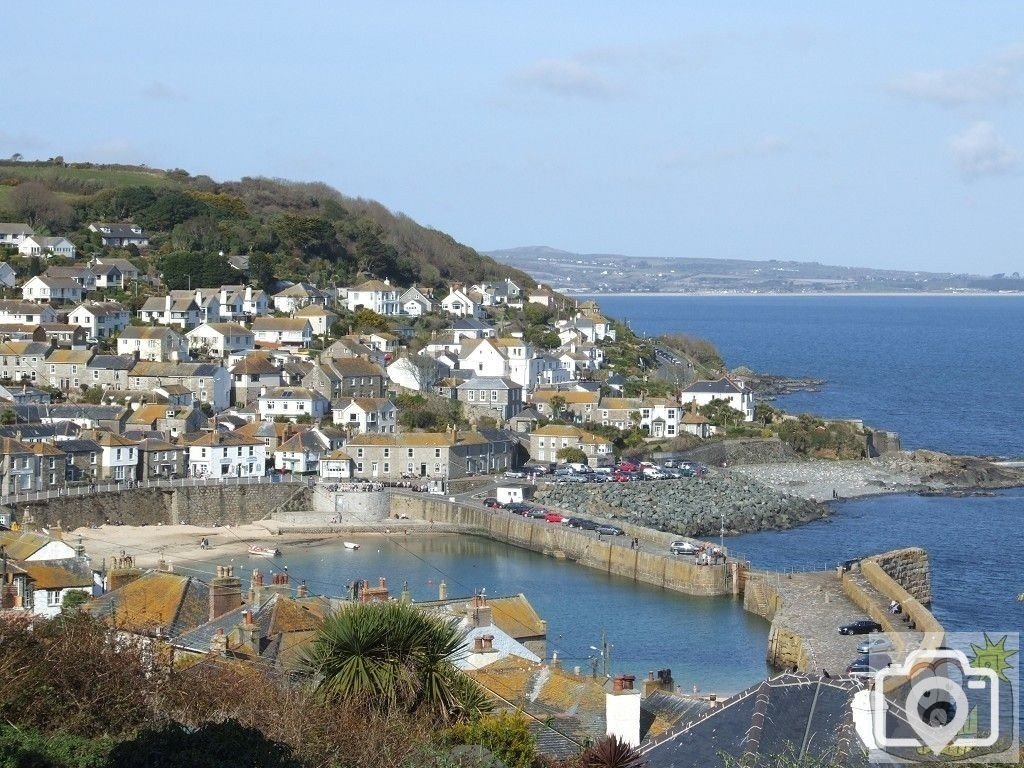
(537, 512)
(625, 472)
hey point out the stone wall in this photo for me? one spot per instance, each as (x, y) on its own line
(583, 547)
(910, 569)
(192, 505)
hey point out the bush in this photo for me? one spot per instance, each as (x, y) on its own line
(506, 735)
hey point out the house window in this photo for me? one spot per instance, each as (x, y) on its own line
(409, 454)
(359, 453)
(52, 598)
(92, 458)
(437, 453)
(387, 468)
(387, 452)
(202, 453)
(494, 395)
(359, 466)
(472, 392)
(408, 468)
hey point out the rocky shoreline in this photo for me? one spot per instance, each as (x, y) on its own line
(776, 496)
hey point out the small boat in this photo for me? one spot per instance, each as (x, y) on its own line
(257, 551)
(351, 545)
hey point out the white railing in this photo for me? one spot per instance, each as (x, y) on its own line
(114, 486)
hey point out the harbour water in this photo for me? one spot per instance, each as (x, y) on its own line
(708, 642)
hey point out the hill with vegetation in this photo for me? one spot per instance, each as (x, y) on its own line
(288, 230)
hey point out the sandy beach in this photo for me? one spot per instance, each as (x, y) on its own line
(179, 544)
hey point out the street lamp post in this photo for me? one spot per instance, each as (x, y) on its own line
(721, 537)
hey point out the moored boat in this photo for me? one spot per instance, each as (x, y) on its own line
(351, 545)
(258, 551)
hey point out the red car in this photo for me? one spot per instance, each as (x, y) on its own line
(553, 517)
(625, 466)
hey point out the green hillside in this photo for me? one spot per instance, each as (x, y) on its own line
(289, 230)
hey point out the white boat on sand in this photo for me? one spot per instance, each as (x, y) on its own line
(351, 545)
(256, 550)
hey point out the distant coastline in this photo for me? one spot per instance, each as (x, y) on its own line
(808, 294)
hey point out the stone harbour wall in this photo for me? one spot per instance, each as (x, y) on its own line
(191, 505)
(910, 569)
(583, 547)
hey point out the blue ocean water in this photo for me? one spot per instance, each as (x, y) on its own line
(943, 371)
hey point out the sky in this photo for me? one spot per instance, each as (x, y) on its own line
(870, 134)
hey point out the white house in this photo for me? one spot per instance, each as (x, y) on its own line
(295, 297)
(120, 235)
(129, 271)
(283, 331)
(292, 403)
(35, 547)
(509, 357)
(119, 456)
(416, 302)
(301, 453)
(210, 382)
(336, 465)
(458, 303)
(221, 339)
(16, 312)
(736, 393)
(377, 295)
(107, 276)
(227, 454)
(84, 275)
(52, 580)
(37, 245)
(365, 415)
(157, 345)
(100, 318)
(320, 319)
(13, 234)
(182, 313)
(45, 290)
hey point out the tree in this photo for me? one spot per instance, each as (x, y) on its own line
(39, 207)
(7, 416)
(570, 455)
(557, 405)
(73, 600)
(261, 270)
(212, 745)
(395, 657)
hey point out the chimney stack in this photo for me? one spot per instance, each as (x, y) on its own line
(249, 634)
(622, 711)
(225, 592)
(256, 587)
(479, 612)
(303, 590)
(219, 643)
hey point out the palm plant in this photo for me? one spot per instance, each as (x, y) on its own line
(610, 752)
(394, 656)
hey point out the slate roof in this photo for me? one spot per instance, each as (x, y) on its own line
(113, 362)
(719, 386)
(14, 228)
(85, 411)
(251, 364)
(21, 545)
(307, 440)
(512, 614)
(280, 324)
(79, 446)
(118, 230)
(175, 370)
(788, 713)
(489, 382)
(59, 574)
(100, 308)
(157, 601)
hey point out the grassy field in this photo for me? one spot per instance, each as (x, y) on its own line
(98, 177)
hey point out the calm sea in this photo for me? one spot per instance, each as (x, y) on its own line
(943, 371)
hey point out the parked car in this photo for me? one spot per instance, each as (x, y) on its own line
(625, 466)
(537, 469)
(875, 644)
(515, 474)
(610, 530)
(868, 666)
(537, 513)
(582, 523)
(682, 547)
(518, 508)
(492, 502)
(860, 627)
(554, 517)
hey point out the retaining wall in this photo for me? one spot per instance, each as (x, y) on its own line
(910, 569)
(190, 505)
(583, 547)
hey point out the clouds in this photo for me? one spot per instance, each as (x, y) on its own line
(980, 151)
(995, 81)
(567, 78)
(159, 91)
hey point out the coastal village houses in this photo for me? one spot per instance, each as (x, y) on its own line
(736, 393)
